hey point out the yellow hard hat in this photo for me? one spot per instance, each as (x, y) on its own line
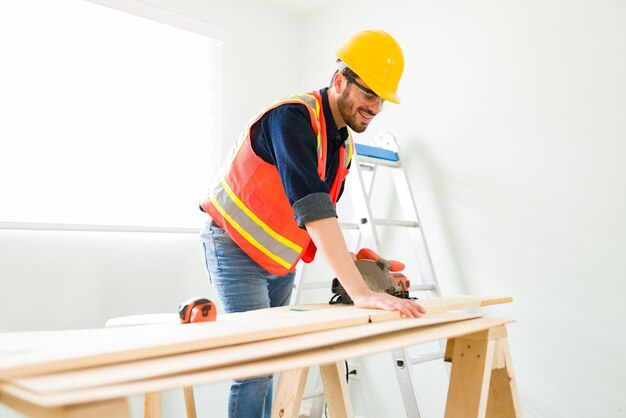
(377, 59)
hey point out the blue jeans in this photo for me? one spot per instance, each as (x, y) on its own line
(243, 285)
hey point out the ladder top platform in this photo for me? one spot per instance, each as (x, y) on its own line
(375, 152)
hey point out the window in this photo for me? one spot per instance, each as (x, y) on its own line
(108, 118)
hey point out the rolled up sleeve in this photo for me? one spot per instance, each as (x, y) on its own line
(313, 207)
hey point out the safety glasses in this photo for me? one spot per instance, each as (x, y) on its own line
(366, 95)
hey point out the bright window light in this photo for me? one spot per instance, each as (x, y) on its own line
(107, 118)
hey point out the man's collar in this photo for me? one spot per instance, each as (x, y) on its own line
(336, 136)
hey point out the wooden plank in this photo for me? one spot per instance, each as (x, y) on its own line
(245, 369)
(336, 390)
(219, 357)
(33, 353)
(150, 319)
(115, 408)
(436, 305)
(289, 392)
(432, 305)
(86, 348)
(495, 300)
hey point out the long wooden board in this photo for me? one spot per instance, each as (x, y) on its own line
(87, 348)
(38, 353)
(320, 355)
(223, 356)
(433, 305)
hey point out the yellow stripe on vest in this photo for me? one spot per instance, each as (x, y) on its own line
(258, 221)
(247, 236)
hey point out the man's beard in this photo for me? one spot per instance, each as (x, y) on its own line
(351, 118)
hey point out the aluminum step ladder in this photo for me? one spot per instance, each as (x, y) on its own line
(366, 163)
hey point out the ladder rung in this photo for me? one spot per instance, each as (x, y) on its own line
(388, 222)
(424, 358)
(314, 394)
(363, 159)
(396, 222)
(423, 287)
(348, 225)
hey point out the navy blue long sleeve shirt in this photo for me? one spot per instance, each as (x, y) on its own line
(285, 139)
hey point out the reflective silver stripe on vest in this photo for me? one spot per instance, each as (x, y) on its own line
(255, 231)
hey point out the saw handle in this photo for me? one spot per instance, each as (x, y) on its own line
(367, 254)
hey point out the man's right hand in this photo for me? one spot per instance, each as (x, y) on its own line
(330, 242)
(374, 300)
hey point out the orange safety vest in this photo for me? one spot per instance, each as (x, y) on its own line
(249, 202)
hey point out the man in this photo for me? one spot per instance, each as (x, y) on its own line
(274, 202)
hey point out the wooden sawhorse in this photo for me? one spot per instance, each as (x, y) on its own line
(482, 383)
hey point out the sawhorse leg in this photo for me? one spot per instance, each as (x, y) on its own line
(153, 405)
(482, 384)
(289, 393)
(291, 388)
(336, 390)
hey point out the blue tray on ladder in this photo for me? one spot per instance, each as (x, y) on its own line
(374, 152)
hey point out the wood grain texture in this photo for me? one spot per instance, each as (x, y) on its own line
(36, 354)
(469, 380)
(336, 390)
(117, 408)
(328, 353)
(88, 373)
(152, 405)
(447, 304)
(503, 398)
(25, 354)
(219, 357)
(190, 402)
(289, 393)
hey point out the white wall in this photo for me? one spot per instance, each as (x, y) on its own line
(511, 122)
(513, 127)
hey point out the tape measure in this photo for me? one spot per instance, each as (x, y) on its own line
(197, 310)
